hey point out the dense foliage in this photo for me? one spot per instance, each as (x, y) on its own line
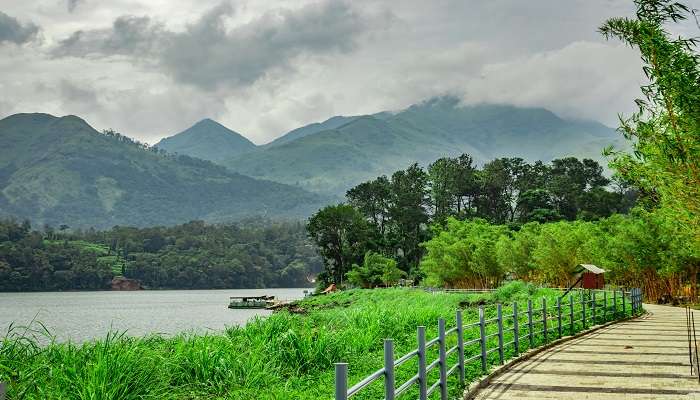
(391, 216)
(665, 131)
(195, 255)
(284, 356)
(637, 250)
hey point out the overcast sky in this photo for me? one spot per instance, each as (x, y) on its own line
(151, 68)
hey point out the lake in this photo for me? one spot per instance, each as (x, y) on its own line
(80, 316)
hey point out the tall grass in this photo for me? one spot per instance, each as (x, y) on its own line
(284, 356)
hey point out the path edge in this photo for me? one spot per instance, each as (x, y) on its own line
(476, 386)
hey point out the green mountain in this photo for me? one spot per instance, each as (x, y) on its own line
(331, 123)
(207, 140)
(62, 171)
(333, 159)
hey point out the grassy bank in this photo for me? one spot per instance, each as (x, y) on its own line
(288, 355)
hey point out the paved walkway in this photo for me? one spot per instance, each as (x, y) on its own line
(645, 358)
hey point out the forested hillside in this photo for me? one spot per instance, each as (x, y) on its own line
(337, 154)
(195, 255)
(61, 171)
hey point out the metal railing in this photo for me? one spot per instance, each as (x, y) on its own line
(693, 356)
(448, 290)
(532, 326)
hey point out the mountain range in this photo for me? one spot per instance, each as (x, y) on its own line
(60, 170)
(334, 155)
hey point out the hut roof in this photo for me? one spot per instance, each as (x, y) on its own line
(590, 268)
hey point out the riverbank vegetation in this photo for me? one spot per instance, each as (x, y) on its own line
(254, 253)
(288, 355)
(392, 216)
(457, 225)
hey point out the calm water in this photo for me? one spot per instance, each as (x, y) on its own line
(80, 316)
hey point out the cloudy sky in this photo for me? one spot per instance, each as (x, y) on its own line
(151, 68)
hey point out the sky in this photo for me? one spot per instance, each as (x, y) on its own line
(152, 68)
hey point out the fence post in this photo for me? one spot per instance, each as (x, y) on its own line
(389, 378)
(422, 375)
(583, 308)
(499, 310)
(529, 323)
(516, 331)
(605, 306)
(571, 314)
(482, 333)
(443, 359)
(687, 326)
(614, 304)
(559, 315)
(341, 381)
(624, 304)
(544, 318)
(460, 346)
(593, 307)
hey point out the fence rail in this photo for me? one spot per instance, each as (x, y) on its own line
(565, 316)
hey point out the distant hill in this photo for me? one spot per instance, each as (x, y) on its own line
(331, 123)
(207, 140)
(62, 171)
(339, 153)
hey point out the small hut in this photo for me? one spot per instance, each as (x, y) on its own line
(593, 277)
(589, 276)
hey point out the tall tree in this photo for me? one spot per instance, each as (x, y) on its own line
(372, 198)
(409, 215)
(341, 234)
(443, 175)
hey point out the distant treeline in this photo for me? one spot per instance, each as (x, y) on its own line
(254, 253)
(392, 216)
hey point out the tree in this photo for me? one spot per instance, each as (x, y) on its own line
(665, 130)
(464, 254)
(374, 271)
(409, 215)
(341, 234)
(468, 186)
(536, 205)
(443, 175)
(372, 199)
(499, 187)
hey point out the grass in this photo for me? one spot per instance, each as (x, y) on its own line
(288, 355)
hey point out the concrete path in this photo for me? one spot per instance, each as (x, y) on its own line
(646, 358)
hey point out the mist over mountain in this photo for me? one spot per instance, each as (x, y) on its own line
(62, 171)
(334, 155)
(207, 140)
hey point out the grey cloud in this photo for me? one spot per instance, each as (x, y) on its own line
(71, 92)
(73, 4)
(129, 35)
(13, 31)
(208, 55)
